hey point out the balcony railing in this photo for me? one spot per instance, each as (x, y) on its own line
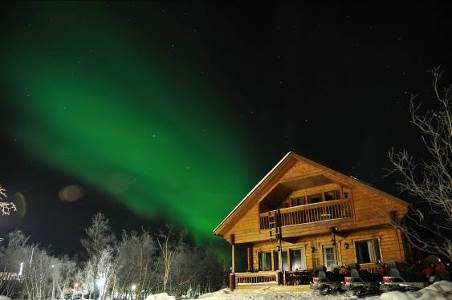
(261, 277)
(309, 213)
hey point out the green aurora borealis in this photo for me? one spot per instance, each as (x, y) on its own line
(108, 104)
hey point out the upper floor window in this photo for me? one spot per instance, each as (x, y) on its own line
(332, 195)
(315, 198)
(340, 193)
(297, 201)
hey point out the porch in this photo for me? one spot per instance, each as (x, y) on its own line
(264, 265)
(289, 278)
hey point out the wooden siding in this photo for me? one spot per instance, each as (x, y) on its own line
(389, 244)
(370, 208)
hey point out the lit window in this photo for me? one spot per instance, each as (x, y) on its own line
(315, 198)
(367, 251)
(284, 260)
(265, 261)
(329, 257)
(297, 260)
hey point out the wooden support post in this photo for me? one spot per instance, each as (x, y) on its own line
(232, 275)
(232, 254)
(279, 237)
(280, 262)
(249, 256)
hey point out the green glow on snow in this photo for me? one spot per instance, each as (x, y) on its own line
(95, 101)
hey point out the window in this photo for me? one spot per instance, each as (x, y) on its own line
(297, 201)
(265, 261)
(329, 257)
(315, 198)
(367, 251)
(284, 260)
(297, 260)
(332, 195)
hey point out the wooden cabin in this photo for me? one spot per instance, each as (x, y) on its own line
(302, 215)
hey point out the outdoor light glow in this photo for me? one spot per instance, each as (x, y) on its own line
(100, 283)
(21, 268)
(146, 130)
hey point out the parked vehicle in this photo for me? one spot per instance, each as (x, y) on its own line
(354, 279)
(326, 283)
(393, 281)
(361, 283)
(298, 277)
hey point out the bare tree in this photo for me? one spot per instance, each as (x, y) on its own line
(167, 252)
(428, 181)
(98, 236)
(99, 245)
(38, 274)
(63, 276)
(194, 270)
(6, 207)
(137, 265)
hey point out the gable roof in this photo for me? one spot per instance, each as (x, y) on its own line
(289, 160)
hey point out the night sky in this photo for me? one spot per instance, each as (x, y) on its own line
(170, 113)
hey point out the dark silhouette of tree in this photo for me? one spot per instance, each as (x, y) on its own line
(428, 180)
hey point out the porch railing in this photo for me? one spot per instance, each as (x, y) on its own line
(261, 277)
(309, 213)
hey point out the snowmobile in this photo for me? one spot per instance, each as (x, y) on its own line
(355, 285)
(393, 281)
(324, 283)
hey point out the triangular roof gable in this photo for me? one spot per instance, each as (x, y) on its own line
(276, 173)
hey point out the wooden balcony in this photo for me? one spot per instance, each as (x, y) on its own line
(309, 213)
(251, 278)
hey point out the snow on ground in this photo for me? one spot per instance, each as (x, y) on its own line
(267, 293)
(438, 291)
(162, 296)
